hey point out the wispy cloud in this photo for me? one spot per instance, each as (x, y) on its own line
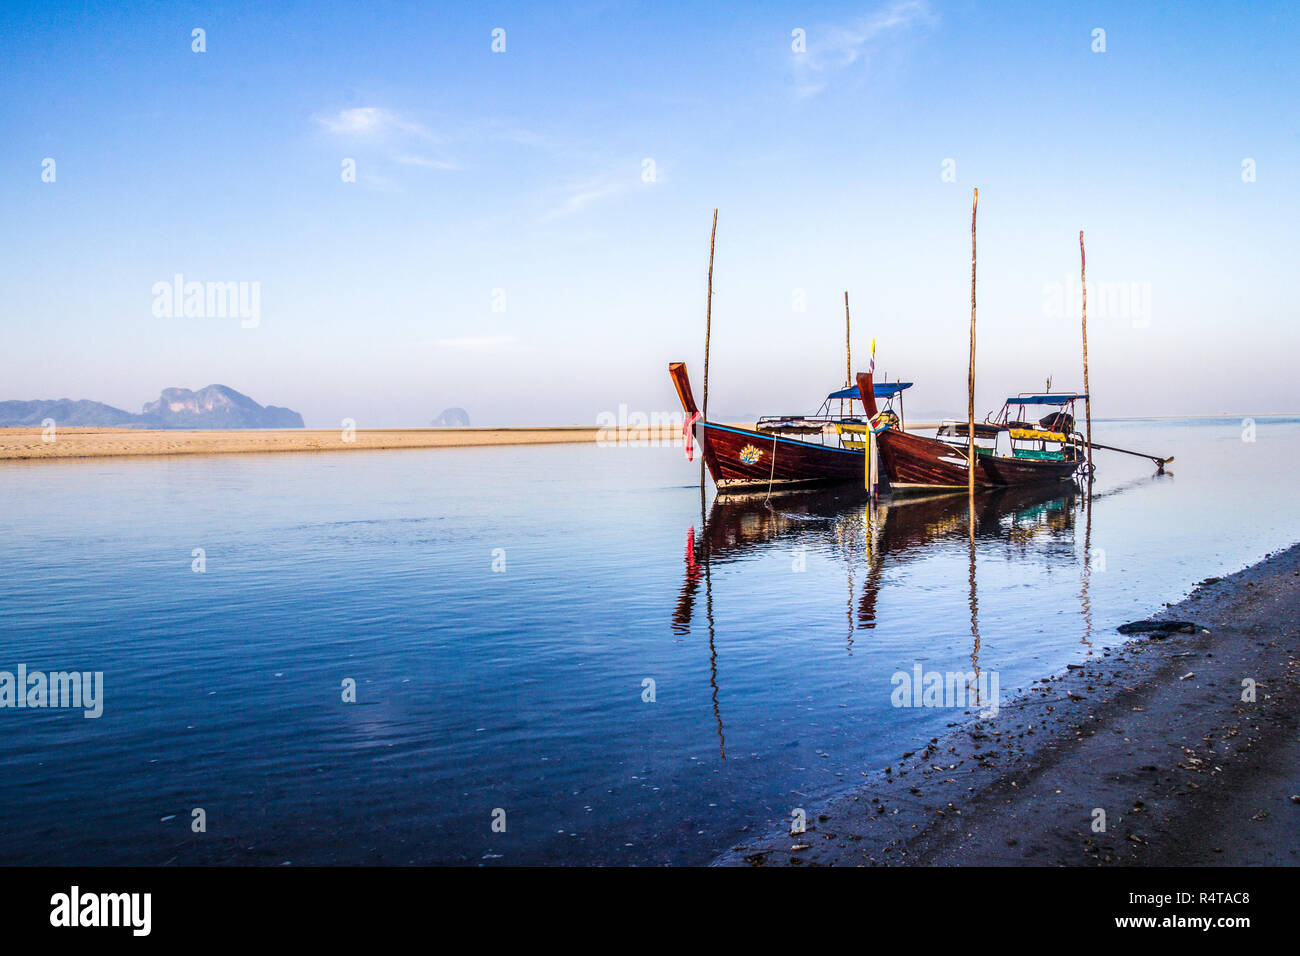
(583, 194)
(424, 162)
(593, 191)
(831, 49)
(387, 138)
(371, 122)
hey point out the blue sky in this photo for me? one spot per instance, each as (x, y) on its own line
(526, 171)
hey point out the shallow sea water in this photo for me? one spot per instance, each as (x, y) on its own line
(771, 635)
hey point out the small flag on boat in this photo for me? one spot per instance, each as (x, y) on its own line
(871, 366)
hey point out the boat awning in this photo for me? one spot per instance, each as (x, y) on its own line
(1058, 398)
(882, 390)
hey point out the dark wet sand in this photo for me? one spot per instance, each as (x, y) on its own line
(1187, 773)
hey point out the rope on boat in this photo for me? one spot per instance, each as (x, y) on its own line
(767, 502)
(771, 477)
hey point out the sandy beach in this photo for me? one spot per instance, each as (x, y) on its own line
(33, 444)
(1155, 734)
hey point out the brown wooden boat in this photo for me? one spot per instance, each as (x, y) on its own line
(917, 464)
(1031, 458)
(1007, 470)
(744, 460)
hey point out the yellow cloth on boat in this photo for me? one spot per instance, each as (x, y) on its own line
(1034, 434)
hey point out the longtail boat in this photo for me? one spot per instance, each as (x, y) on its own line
(1046, 449)
(781, 452)
(916, 463)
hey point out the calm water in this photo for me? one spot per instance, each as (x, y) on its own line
(522, 688)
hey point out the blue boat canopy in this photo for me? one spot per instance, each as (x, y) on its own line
(882, 390)
(1056, 398)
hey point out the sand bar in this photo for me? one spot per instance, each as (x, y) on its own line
(27, 444)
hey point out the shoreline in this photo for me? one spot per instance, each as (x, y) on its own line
(27, 443)
(84, 442)
(1153, 732)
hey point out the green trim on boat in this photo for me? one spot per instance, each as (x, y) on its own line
(1040, 455)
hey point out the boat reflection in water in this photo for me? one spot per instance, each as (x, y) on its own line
(1025, 524)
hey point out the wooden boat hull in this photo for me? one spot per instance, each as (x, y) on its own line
(1025, 471)
(915, 464)
(741, 460)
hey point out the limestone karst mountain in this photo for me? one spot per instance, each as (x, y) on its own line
(216, 406)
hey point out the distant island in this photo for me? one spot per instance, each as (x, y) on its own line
(216, 406)
(451, 418)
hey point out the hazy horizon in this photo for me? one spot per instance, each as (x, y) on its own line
(527, 235)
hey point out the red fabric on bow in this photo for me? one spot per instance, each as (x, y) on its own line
(687, 435)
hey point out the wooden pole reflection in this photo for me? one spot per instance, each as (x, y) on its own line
(974, 598)
(713, 650)
(1084, 598)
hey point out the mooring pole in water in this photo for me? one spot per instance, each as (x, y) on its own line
(848, 346)
(708, 331)
(970, 378)
(1087, 401)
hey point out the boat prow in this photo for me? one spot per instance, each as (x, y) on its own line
(742, 460)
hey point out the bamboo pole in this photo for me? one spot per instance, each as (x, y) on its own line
(848, 345)
(708, 315)
(970, 379)
(1087, 402)
(708, 331)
